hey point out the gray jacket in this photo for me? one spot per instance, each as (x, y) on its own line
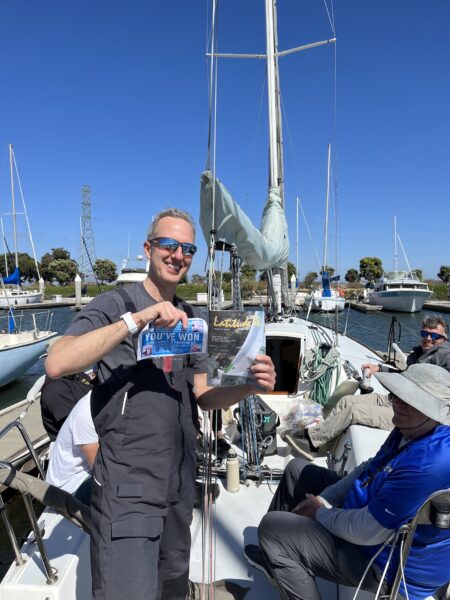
(437, 355)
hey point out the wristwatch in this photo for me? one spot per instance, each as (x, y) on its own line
(130, 323)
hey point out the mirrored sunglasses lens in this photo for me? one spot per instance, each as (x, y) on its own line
(189, 249)
(167, 244)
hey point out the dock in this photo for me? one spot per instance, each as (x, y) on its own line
(437, 305)
(58, 302)
(363, 307)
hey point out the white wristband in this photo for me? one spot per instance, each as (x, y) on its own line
(130, 323)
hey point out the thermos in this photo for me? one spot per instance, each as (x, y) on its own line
(232, 471)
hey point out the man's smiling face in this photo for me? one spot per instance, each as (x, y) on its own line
(166, 267)
(427, 342)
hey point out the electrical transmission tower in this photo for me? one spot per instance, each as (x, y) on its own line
(87, 244)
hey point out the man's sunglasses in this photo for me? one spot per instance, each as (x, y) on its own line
(431, 334)
(172, 246)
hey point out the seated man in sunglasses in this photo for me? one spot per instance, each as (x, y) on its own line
(375, 410)
(145, 415)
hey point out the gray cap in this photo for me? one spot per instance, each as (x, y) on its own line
(423, 386)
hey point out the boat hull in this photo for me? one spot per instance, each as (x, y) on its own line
(12, 298)
(409, 301)
(19, 351)
(324, 304)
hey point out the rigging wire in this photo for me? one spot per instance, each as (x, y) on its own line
(330, 14)
(310, 236)
(26, 214)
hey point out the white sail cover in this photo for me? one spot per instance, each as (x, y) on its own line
(263, 249)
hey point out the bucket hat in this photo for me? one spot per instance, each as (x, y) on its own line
(425, 387)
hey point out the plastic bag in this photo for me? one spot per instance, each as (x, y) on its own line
(302, 413)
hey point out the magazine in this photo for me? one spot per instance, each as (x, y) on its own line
(235, 338)
(154, 341)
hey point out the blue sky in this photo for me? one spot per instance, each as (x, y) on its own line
(115, 95)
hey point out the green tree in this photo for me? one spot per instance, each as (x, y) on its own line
(419, 273)
(62, 270)
(352, 276)
(26, 265)
(370, 268)
(184, 279)
(248, 272)
(105, 270)
(49, 257)
(198, 279)
(309, 278)
(328, 269)
(444, 273)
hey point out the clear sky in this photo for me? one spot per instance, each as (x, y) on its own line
(115, 95)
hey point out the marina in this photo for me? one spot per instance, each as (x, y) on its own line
(256, 141)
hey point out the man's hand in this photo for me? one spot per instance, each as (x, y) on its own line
(163, 314)
(75, 353)
(308, 507)
(263, 372)
(372, 368)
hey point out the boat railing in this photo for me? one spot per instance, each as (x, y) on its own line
(27, 500)
(24, 321)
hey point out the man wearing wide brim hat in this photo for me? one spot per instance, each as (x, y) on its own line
(337, 529)
(426, 388)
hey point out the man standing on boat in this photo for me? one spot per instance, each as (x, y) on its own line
(340, 530)
(146, 417)
(375, 410)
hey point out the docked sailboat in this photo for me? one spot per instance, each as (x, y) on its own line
(11, 292)
(326, 298)
(399, 291)
(20, 346)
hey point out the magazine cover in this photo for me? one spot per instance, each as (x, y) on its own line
(164, 341)
(235, 338)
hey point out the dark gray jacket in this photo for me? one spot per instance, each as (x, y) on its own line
(437, 355)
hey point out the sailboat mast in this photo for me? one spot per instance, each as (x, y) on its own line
(5, 250)
(395, 246)
(276, 174)
(296, 239)
(327, 202)
(13, 200)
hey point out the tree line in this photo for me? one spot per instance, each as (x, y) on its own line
(371, 269)
(56, 265)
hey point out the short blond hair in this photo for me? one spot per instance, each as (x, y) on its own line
(175, 213)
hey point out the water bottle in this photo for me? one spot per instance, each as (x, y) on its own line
(232, 471)
(365, 386)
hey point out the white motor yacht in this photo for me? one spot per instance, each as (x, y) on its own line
(133, 270)
(401, 291)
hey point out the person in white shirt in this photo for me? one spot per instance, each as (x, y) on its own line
(74, 451)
